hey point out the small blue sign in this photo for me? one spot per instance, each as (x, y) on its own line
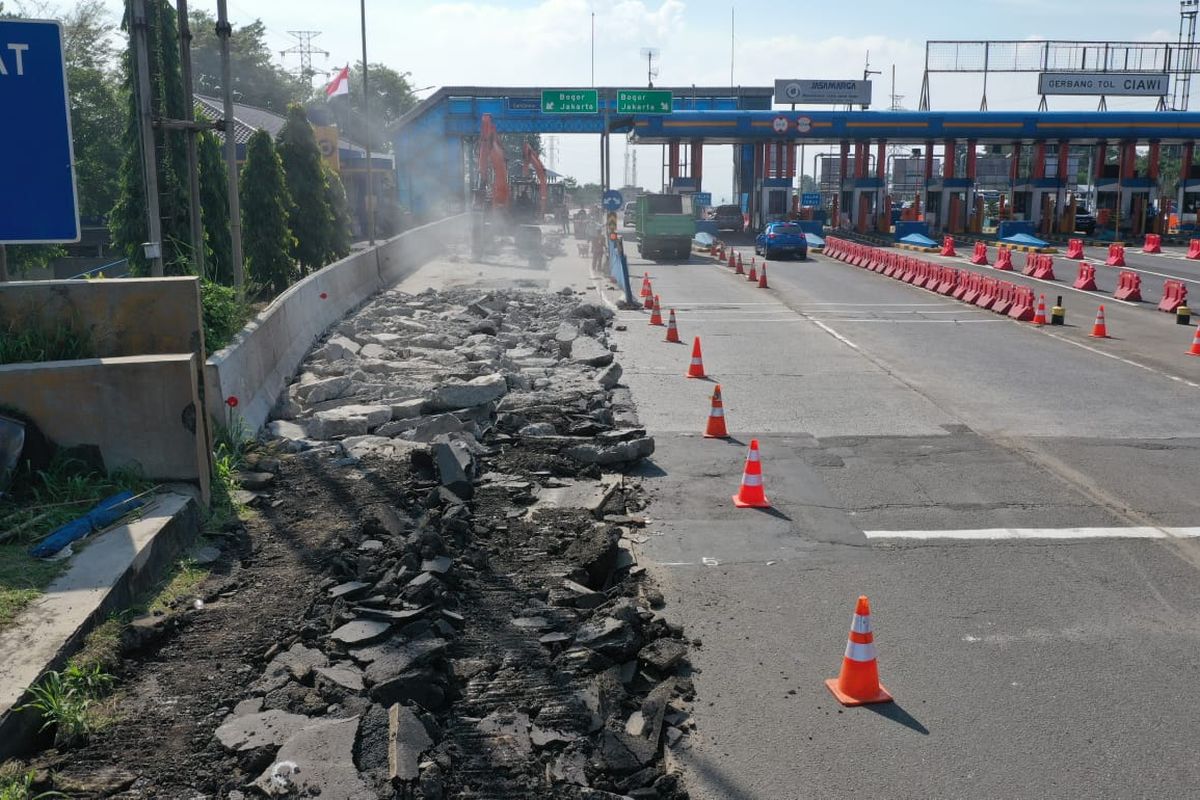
(524, 104)
(612, 200)
(810, 199)
(702, 199)
(37, 182)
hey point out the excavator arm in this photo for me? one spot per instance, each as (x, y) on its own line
(531, 159)
(491, 166)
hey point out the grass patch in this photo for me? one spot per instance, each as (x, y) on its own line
(22, 579)
(24, 340)
(223, 315)
(16, 783)
(180, 584)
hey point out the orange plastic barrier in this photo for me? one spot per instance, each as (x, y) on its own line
(1086, 279)
(1022, 307)
(1174, 296)
(1129, 286)
(1153, 243)
(1193, 250)
(1004, 260)
(1075, 248)
(948, 246)
(1116, 255)
(980, 256)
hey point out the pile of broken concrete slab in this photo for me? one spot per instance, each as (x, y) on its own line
(489, 634)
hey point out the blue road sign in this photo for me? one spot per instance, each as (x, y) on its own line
(37, 181)
(612, 200)
(810, 199)
(702, 198)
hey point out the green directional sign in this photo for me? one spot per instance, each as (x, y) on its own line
(644, 101)
(569, 101)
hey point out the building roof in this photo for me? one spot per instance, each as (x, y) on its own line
(248, 119)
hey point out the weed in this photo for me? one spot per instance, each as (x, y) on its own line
(180, 584)
(18, 785)
(24, 340)
(64, 700)
(224, 316)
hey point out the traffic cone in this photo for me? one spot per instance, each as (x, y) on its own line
(648, 301)
(732, 261)
(737, 269)
(716, 417)
(751, 494)
(858, 683)
(753, 276)
(645, 285)
(1039, 317)
(1099, 329)
(1195, 351)
(696, 368)
(739, 261)
(762, 277)
(672, 331)
(656, 312)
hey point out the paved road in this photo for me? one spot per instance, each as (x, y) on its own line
(890, 418)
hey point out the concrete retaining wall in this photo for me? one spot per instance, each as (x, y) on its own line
(137, 410)
(261, 361)
(127, 317)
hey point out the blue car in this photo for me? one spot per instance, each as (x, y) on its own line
(780, 239)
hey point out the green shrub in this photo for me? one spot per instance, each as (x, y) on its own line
(224, 316)
(22, 340)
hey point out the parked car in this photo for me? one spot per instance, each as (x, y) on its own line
(781, 238)
(729, 218)
(1085, 223)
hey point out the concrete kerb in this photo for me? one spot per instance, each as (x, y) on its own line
(104, 578)
(257, 366)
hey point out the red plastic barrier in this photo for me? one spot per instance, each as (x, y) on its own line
(1086, 279)
(922, 274)
(910, 270)
(1075, 248)
(947, 280)
(1129, 286)
(948, 246)
(1030, 264)
(1193, 248)
(961, 283)
(1153, 243)
(1004, 259)
(980, 255)
(1174, 296)
(1005, 292)
(987, 293)
(1116, 255)
(1022, 307)
(973, 287)
(1043, 268)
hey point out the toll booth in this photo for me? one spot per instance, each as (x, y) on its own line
(1034, 200)
(774, 200)
(1187, 200)
(948, 204)
(1125, 196)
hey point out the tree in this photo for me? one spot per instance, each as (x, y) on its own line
(127, 223)
(265, 200)
(337, 244)
(391, 98)
(214, 209)
(309, 214)
(257, 81)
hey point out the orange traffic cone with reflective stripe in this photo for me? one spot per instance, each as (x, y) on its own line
(762, 277)
(753, 276)
(656, 312)
(1039, 317)
(648, 301)
(1195, 351)
(739, 262)
(696, 368)
(716, 417)
(672, 331)
(732, 260)
(751, 493)
(645, 285)
(1099, 329)
(858, 683)
(737, 268)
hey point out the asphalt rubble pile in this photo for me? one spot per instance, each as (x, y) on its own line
(488, 633)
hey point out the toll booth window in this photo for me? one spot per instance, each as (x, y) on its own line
(777, 203)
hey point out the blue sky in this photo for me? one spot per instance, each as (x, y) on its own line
(548, 43)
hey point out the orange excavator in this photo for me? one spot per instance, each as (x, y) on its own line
(491, 188)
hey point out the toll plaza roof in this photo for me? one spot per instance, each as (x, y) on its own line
(826, 127)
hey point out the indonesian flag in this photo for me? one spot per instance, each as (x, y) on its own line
(340, 84)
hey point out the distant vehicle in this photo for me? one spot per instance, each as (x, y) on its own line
(630, 217)
(729, 218)
(1085, 223)
(781, 238)
(664, 229)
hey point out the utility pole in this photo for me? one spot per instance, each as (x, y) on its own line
(153, 245)
(362, 6)
(231, 169)
(189, 116)
(868, 72)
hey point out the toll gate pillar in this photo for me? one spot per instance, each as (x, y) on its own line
(883, 222)
(697, 162)
(843, 165)
(673, 160)
(1158, 222)
(976, 222)
(1063, 225)
(1185, 172)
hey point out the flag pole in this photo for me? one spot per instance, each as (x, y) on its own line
(362, 6)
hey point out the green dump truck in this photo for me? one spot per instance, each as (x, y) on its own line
(665, 227)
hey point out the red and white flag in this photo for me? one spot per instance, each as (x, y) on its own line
(340, 84)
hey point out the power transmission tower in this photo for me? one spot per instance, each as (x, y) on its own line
(1185, 54)
(305, 49)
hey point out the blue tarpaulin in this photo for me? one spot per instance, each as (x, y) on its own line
(814, 241)
(1025, 239)
(919, 240)
(104, 514)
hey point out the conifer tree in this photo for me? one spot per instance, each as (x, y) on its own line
(309, 214)
(214, 209)
(265, 200)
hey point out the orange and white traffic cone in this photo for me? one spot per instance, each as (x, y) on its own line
(672, 331)
(737, 268)
(1099, 329)
(753, 276)
(656, 312)
(1039, 317)
(762, 277)
(739, 262)
(648, 300)
(716, 417)
(732, 260)
(750, 493)
(696, 368)
(645, 285)
(858, 683)
(1195, 351)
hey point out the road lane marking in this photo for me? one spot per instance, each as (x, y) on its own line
(1041, 533)
(1127, 361)
(1148, 272)
(836, 335)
